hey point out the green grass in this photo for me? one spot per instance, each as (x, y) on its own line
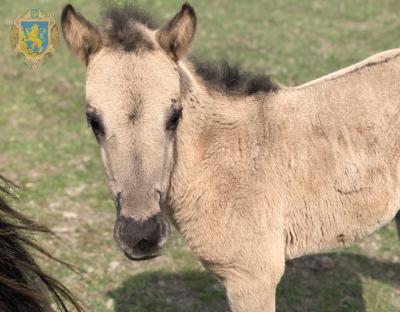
(47, 149)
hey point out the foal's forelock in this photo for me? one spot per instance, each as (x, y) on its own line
(128, 29)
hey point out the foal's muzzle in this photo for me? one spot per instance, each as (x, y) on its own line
(141, 240)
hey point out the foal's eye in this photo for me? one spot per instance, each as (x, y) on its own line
(173, 120)
(95, 123)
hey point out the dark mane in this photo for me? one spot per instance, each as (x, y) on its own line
(231, 80)
(24, 286)
(122, 27)
(122, 31)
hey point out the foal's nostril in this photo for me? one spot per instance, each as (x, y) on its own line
(144, 245)
(118, 203)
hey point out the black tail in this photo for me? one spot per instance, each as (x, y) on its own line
(397, 220)
(23, 285)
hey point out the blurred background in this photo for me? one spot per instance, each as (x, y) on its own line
(48, 150)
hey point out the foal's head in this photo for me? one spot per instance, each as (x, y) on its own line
(133, 106)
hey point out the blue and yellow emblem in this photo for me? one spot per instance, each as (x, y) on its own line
(35, 36)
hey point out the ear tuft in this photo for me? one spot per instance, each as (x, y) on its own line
(82, 37)
(68, 9)
(186, 7)
(176, 36)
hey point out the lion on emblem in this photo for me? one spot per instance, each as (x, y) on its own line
(36, 37)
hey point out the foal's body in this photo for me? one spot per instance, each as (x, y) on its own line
(250, 178)
(343, 155)
(301, 170)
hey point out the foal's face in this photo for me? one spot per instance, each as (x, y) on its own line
(134, 108)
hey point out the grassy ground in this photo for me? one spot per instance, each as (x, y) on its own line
(47, 149)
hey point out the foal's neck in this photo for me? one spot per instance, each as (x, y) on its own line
(213, 107)
(215, 122)
(218, 137)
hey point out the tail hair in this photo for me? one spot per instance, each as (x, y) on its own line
(24, 286)
(397, 221)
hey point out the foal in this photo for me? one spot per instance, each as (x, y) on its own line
(250, 173)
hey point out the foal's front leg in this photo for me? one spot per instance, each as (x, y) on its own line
(252, 279)
(251, 294)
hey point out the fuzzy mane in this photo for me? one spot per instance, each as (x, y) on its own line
(232, 80)
(122, 29)
(24, 286)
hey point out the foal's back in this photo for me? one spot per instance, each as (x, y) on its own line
(338, 148)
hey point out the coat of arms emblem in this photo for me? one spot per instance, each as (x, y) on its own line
(34, 35)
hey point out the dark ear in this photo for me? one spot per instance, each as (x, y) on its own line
(82, 37)
(177, 35)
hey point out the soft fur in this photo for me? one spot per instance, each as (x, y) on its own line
(250, 180)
